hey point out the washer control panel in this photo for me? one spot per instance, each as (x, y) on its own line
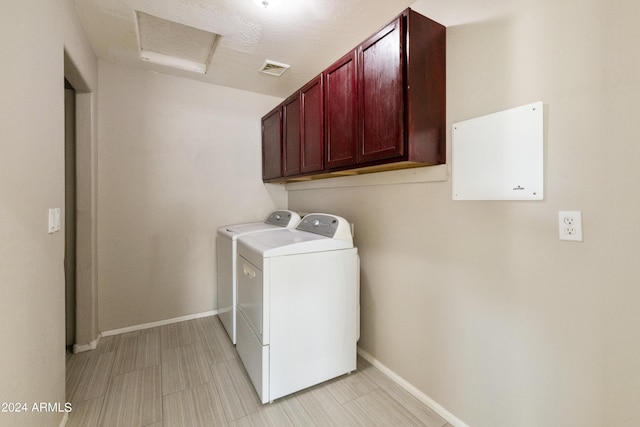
(326, 225)
(282, 218)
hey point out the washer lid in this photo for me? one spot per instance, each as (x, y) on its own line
(288, 241)
(234, 231)
(276, 220)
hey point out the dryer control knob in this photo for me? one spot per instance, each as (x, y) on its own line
(316, 223)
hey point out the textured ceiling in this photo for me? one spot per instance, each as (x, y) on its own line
(306, 34)
(183, 46)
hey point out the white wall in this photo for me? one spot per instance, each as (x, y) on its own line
(178, 159)
(33, 38)
(478, 304)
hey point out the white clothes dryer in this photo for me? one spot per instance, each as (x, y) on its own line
(298, 305)
(226, 251)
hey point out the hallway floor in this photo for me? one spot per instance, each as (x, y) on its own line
(189, 374)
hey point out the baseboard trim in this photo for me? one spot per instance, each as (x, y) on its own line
(158, 323)
(65, 419)
(411, 389)
(80, 348)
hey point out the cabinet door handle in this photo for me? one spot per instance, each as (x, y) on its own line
(248, 271)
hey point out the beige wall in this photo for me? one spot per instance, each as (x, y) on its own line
(178, 159)
(33, 38)
(478, 304)
(475, 303)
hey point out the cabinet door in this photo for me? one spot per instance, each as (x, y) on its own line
(312, 132)
(271, 145)
(381, 92)
(341, 112)
(291, 135)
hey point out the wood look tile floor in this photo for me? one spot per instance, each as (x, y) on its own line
(189, 374)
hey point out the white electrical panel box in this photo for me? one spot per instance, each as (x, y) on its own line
(499, 156)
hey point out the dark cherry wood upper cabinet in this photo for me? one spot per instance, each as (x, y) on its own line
(383, 105)
(303, 130)
(312, 131)
(272, 145)
(341, 112)
(291, 135)
(402, 93)
(426, 89)
(381, 94)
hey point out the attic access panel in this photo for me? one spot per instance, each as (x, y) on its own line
(499, 156)
(173, 44)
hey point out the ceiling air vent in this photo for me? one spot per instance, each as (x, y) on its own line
(274, 68)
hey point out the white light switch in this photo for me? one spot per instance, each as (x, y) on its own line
(57, 219)
(52, 220)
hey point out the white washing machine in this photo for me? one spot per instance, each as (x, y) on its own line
(226, 250)
(298, 305)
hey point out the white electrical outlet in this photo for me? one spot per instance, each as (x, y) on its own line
(570, 225)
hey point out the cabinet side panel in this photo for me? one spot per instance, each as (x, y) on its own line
(426, 93)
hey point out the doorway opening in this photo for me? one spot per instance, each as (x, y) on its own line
(81, 209)
(70, 209)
